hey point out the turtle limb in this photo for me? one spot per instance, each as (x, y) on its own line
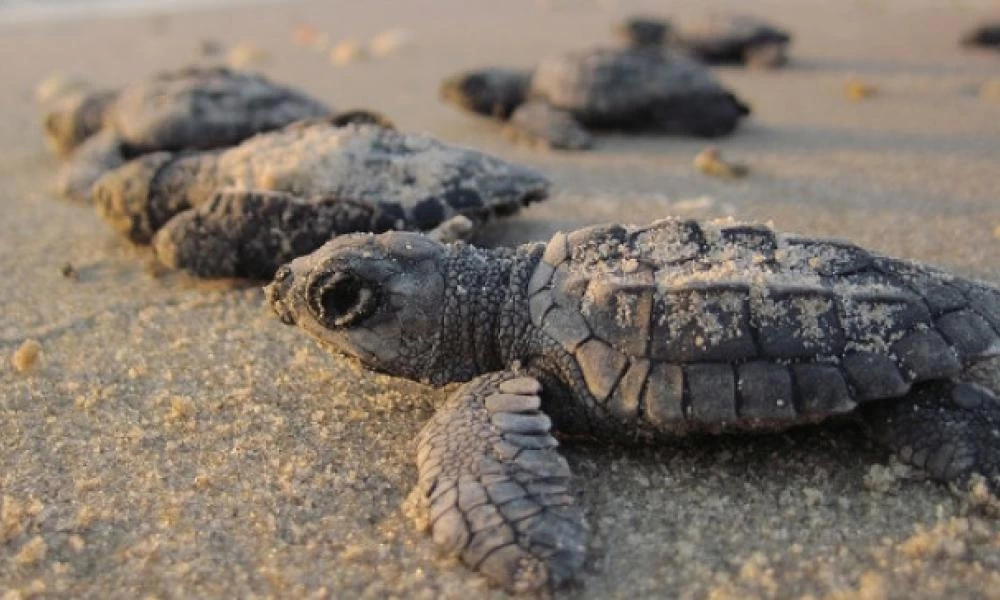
(457, 228)
(250, 233)
(951, 430)
(97, 155)
(361, 116)
(765, 55)
(493, 488)
(493, 92)
(540, 123)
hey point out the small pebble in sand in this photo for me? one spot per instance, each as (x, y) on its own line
(28, 357)
(389, 41)
(709, 161)
(858, 90)
(32, 552)
(346, 52)
(245, 55)
(305, 35)
(990, 90)
(69, 272)
(996, 232)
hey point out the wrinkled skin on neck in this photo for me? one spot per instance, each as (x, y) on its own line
(403, 304)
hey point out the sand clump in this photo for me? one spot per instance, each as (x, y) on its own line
(28, 357)
(710, 162)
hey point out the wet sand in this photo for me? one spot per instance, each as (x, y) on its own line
(178, 441)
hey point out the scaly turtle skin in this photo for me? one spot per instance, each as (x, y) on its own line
(647, 332)
(631, 89)
(246, 210)
(192, 108)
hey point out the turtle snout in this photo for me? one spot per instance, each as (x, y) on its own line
(277, 294)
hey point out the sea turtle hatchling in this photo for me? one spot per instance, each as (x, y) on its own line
(716, 38)
(603, 88)
(246, 210)
(191, 108)
(625, 332)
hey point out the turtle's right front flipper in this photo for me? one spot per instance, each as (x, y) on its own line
(496, 491)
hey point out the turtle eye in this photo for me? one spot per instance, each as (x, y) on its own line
(341, 300)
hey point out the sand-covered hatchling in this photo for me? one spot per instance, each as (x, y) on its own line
(716, 38)
(643, 333)
(566, 95)
(191, 108)
(244, 211)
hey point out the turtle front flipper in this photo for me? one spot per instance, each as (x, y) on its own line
(93, 158)
(540, 123)
(493, 488)
(951, 430)
(250, 233)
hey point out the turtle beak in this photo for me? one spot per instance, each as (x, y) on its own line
(277, 293)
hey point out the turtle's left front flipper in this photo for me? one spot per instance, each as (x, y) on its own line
(495, 490)
(952, 430)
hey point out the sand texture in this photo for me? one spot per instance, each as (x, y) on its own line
(164, 438)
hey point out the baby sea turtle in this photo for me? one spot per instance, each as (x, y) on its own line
(630, 89)
(197, 108)
(652, 332)
(986, 35)
(246, 210)
(714, 39)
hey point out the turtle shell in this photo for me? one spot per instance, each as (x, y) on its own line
(412, 181)
(612, 87)
(722, 37)
(681, 325)
(204, 108)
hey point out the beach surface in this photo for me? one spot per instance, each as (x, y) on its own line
(175, 440)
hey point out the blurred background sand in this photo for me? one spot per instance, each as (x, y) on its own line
(177, 441)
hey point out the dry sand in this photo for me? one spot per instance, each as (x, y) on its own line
(173, 440)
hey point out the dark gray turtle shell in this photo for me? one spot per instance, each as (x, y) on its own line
(635, 89)
(726, 38)
(246, 210)
(199, 108)
(412, 181)
(193, 108)
(684, 326)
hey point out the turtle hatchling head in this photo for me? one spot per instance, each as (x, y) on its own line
(73, 118)
(494, 92)
(378, 298)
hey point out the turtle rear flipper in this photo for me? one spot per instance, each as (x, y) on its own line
(494, 490)
(951, 430)
(538, 122)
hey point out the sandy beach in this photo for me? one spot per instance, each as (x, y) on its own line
(178, 441)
